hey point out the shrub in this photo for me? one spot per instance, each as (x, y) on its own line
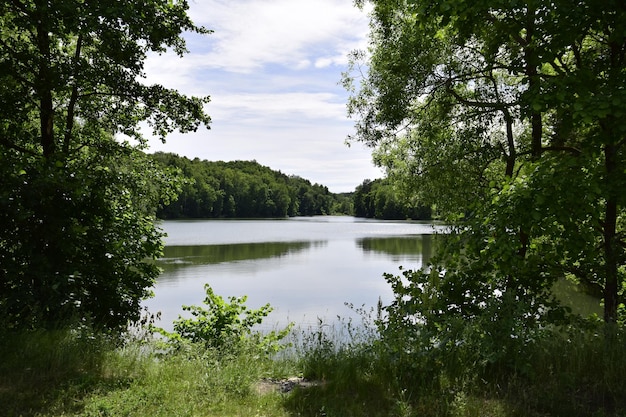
(224, 325)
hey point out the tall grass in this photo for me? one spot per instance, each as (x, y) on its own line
(571, 372)
(574, 372)
(67, 373)
(42, 368)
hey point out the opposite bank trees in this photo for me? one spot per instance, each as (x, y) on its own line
(76, 205)
(508, 116)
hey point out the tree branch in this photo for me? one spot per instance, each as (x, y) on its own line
(7, 143)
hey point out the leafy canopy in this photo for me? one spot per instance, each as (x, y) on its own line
(78, 204)
(506, 117)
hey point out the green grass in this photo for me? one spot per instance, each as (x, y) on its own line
(62, 374)
(74, 373)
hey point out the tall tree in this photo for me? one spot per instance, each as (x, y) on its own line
(505, 116)
(78, 204)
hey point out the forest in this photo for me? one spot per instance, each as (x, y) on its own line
(246, 189)
(243, 189)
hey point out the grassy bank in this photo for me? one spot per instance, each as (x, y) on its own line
(76, 373)
(67, 374)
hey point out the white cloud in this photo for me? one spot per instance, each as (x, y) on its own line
(253, 34)
(249, 34)
(280, 106)
(272, 69)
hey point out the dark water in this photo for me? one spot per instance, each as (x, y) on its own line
(306, 268)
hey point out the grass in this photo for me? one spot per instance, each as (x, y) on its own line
(64, 374)
(75, 373)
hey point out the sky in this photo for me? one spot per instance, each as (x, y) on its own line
(273, 71)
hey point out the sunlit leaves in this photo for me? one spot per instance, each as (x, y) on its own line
(95, 51)
(225, 325)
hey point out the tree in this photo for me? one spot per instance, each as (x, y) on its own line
(505, 116)
(382, 200)
(78, 204)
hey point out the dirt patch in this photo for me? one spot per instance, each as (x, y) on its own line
(285, 385)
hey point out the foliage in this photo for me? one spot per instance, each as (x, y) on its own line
(244, 189)
(381, 200)
(462, 334)
(78, 238)
(224, 325)
(247, 189)
(505, 117)
(576, 371)
(77, 204)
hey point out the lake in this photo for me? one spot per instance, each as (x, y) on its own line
(307, 268)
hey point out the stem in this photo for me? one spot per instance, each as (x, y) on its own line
(530, 57)
(609, 242)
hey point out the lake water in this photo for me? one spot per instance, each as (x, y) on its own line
(307, 268)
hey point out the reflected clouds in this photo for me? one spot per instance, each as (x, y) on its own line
(343, 260)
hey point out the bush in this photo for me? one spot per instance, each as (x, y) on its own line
(224, 325)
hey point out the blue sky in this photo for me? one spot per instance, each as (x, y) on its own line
(272, 69)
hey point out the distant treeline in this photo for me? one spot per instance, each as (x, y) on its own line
(245, 189)
(379, 199)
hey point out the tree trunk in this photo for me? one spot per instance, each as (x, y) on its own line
(532, 65)
(42, 85)
(609, 235)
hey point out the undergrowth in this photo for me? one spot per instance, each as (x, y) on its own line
(353, 371)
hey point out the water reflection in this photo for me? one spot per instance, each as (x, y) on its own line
(572, 296)
(397, 248)
(420, 246)
(305, 268)
(304, 273)
(176, 257)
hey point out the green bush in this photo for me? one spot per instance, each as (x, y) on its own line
(224, 325)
